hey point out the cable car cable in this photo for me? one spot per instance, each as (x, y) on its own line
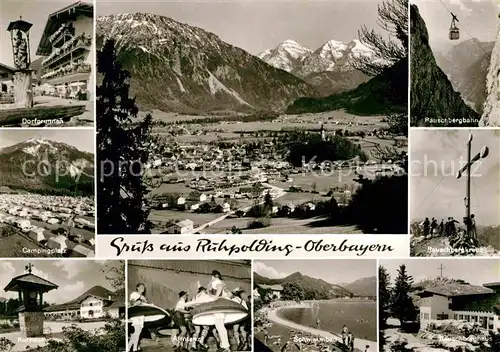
(465, 29)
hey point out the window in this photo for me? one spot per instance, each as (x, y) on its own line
(426, 316)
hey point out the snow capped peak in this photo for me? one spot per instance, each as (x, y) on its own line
(333, 48)
(360, 49)
(37, 140)
(292, 48)
(334, 55)
(286, 55)
(290, 42)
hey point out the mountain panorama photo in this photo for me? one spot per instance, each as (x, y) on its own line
(250, 132)
(454, 67)
(47, 206)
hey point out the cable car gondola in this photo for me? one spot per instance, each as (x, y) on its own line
(454, 31)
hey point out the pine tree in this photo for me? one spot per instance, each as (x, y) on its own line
(384, 303)
(384, 294)
(268, 201)
(122, 142)
(402, 305)
(393, 19)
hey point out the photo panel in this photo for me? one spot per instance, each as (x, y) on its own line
(47, 63)
(455, 192)
(315, 305)
(62, 305)
(455, 58)
(438, 304)
(47, 199)
(189, 305)
(238, 132)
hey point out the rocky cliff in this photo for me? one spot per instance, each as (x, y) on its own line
(434, 102)
(181, 68)
(491, 112)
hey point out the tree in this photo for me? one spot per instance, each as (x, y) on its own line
(384, 303)
(384, 294)
(333, 209)
(122, 141)
(402, 305)
(398, 123)
(393, 19)
(292, 292)
(268, 200)
(115, 273)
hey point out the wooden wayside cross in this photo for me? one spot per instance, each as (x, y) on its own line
(467, 169)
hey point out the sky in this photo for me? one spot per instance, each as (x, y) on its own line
(333, 271)
(259, 25)
(473, 271)
(73, 277)
(82, 139)
(435, 156)
(477, 19)
(33, 11)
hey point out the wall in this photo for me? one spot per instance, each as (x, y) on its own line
(437, 305)
(164, 279)
(91, 304)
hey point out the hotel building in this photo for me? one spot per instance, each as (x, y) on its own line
(67, 49)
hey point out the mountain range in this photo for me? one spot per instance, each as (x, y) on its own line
(327, 68)
(181, 68)
(432, 94)
(43, 165)
(361, 287)
(466, 65)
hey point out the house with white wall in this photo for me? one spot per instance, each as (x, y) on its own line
(461, 301)
(95, 303)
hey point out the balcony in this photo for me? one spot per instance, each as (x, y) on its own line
(79, 42)
(71, 68)
(64, 31)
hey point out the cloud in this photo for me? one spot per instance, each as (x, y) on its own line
(267, 271)
(7, 272)
(465, 11)
(71, 267)
(65, 293)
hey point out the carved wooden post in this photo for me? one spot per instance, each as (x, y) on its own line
(23, 89)
(23, 83)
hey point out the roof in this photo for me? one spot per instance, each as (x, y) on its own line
(492, 284)
(83, 250)
(271, 287)
(57, 18)
(96, 291)
(457, 289)
(29, 280)
(8, 68)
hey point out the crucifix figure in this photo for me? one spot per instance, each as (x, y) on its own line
(467, 168)
(441, 268)
(29, 267)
